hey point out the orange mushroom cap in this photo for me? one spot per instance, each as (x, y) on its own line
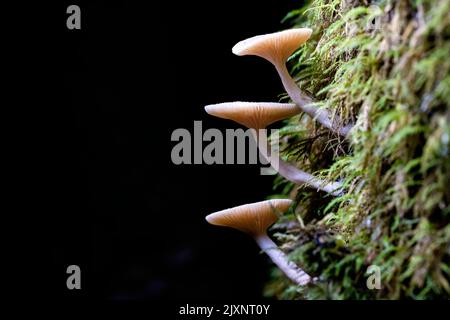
(254, 115)
(253, 218)
(276, 47)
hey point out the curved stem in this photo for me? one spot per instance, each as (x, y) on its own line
(291, 172)
(303, 101)
(290, 269)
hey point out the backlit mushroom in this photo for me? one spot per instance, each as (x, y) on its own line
(277, 48)
(257, 116)
(254, 219)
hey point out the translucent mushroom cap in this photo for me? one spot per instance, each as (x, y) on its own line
(254, 115)
(253, 218)
(276, 47)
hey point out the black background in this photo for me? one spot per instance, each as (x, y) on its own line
(110, 199)
(92, 181)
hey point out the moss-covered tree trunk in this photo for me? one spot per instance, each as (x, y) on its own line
(384, 66)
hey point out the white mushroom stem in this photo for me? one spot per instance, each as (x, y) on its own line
(303, 101)
(291, 172)
(290, 269)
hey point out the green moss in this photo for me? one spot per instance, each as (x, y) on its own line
(393, 82)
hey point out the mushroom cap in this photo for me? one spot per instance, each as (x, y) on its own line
(253, 218)
(276, 47)
(254, 115)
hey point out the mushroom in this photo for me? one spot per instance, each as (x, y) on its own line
(254, 219)
(277, 48)
(257, 116)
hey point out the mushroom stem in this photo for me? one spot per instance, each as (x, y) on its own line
(291, 172)
(290, 269)
(303, 101)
